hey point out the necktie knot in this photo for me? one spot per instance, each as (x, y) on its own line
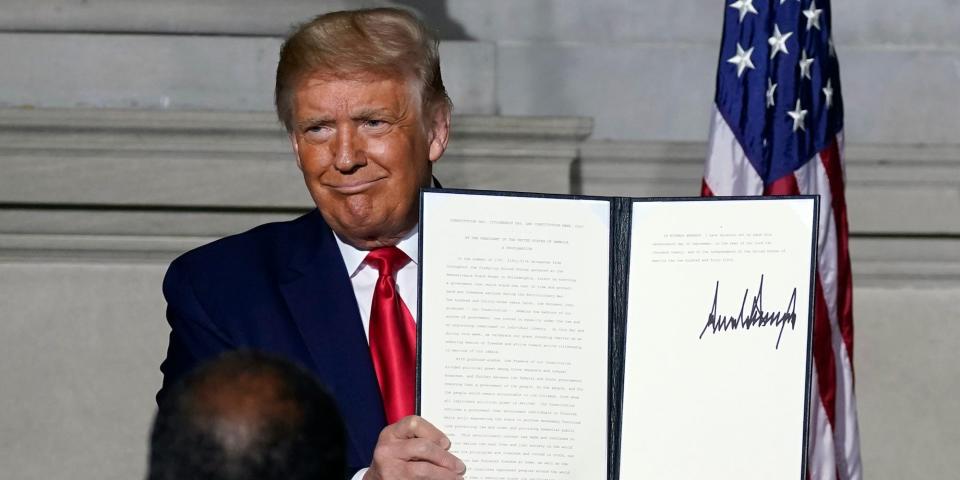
(387, 260)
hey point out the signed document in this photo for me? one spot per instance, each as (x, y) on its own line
(717, 339)
(574, 337)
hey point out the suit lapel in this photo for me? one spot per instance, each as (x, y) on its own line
(320, 297)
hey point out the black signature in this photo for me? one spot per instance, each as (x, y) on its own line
(756, 318)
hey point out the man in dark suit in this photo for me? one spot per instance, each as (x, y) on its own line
(361, 96)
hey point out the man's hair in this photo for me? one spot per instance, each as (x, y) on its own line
(378, 41)
(247, 416)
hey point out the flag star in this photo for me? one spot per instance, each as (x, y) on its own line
(744, 6)
(805, 66)
(778, 42)
(828, 93)
(813, 15)
(742, 60)
(798, 115)
(771, 89)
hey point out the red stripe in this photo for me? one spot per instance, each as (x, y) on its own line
(785, 185)
(823, 357)
(831, 163)
(705, 189)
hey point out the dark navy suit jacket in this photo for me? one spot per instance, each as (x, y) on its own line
(281, 288)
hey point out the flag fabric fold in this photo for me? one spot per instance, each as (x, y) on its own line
(777, 129)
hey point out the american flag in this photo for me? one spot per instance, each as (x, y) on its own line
(777, 129)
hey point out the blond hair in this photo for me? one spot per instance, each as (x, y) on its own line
(379, 41)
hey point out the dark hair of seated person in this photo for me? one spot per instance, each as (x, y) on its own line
(247, 416)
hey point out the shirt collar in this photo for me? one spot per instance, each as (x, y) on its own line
(353, 257)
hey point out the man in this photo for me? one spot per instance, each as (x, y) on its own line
(361, 96)
(247, 416)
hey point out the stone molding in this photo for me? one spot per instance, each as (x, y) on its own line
(188, 72)
(237, 17)
(505, 20)
(114, 184)
(172, 158)
(891, 189)
(145, 185)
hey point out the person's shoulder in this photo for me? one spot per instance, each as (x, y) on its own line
(259, 251)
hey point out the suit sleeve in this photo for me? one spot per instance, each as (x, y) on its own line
(194, 337)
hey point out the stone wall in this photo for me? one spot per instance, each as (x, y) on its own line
(644, 70)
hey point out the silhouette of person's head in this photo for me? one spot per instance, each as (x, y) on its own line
(247, 415)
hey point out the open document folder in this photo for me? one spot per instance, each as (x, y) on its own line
(572, 337)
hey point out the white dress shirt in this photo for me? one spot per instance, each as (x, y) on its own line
(364, 279)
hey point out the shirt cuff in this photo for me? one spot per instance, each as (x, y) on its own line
(359, 475)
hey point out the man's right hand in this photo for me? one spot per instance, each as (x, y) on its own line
(414, 449)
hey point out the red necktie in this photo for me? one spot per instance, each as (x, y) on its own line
(393, 336)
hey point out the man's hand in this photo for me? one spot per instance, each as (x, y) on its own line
(414, 449)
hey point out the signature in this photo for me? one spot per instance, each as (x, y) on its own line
(756, 318)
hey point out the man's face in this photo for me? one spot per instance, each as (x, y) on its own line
(365, 150)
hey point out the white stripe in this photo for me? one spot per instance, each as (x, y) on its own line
(821, 450)
(728, 171)
(843, 159)
(846, 428)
